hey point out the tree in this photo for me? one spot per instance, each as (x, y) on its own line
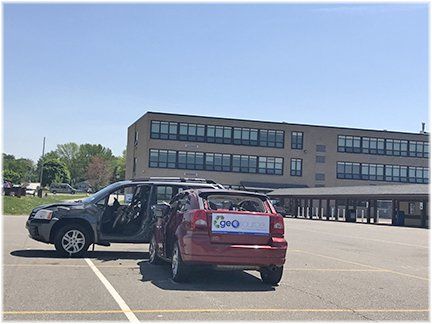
(55, 171)
(24, 169)
(85, 155)
(98, 172)
(11, 176)
(52, 155)
(119, 167)
(68, 153)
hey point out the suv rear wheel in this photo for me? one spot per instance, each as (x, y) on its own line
(72, 240)
(179, 270)
(271, 275)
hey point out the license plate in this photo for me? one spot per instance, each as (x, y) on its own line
(240, 224)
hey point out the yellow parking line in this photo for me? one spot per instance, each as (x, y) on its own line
(360, 264)
(213, 310)
(335, 270)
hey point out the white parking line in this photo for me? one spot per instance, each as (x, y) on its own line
(124, 307)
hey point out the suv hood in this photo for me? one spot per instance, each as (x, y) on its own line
(65, 204)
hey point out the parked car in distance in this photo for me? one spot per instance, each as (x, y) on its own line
(119, 213)
(62, 188)
(32, 188)
(83, 186)
(223, 229)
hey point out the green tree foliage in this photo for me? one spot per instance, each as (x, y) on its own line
(74, 162)
(68, 153)
(55, 171)
(23, 169)
(119, 167)
(11, 176)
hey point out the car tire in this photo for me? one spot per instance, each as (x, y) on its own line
(72, 240)
(153, 255)
(271, 275)
(179, 271)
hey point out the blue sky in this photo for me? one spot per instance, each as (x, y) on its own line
(84, 73)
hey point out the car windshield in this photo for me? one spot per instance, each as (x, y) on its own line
(100, 194)
(235, 203)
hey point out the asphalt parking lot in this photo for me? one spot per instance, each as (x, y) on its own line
(334, 271)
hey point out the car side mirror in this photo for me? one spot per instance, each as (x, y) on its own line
(160, 210)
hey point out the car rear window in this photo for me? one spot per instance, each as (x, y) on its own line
(235, 203)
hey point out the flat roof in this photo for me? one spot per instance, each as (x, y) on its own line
(282, 123)
(385, 191)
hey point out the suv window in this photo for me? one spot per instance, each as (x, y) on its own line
(164, 194)
(180, 203)
(184, 204)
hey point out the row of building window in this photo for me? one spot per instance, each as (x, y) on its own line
(215, 162)
(382, 146)
(223, 134)
(381, 172)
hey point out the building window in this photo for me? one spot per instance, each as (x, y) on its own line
(244, 163)
(191, 132)
(190, 160)
(163, 130)
(349, 144)
(320, 148)
(348, 170)
(382, 146)
(270, 165)
(296, 167)
(320, 159)
(374, 172)
(134, 165)
(245, 136)
(136, 137)
(319, 176)
(216, 134)
(380, 172)
(271, 138)
(219, 134)
(297, 140)
(215, 162)
(162, 159)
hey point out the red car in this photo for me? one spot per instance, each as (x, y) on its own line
(225, 229)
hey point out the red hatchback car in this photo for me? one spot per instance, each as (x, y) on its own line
(225, 229)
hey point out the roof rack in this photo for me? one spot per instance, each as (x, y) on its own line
(179, 179)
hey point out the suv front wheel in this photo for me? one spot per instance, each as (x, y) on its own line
(153, 255)
(72, 241)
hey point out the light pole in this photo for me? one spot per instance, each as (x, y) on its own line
(41, 171)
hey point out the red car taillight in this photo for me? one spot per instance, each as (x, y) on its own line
(277, 226)
(199, 220)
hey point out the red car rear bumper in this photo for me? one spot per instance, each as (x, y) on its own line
(199, 249)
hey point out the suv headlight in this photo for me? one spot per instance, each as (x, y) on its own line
(43, 214)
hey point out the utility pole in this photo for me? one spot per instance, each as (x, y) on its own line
(41, 171)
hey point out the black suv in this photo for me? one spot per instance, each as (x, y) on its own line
(120, 213)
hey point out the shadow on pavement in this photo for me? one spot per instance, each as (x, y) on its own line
(202, 279)
(99, 255)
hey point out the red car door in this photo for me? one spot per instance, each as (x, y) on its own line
(180, 204)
